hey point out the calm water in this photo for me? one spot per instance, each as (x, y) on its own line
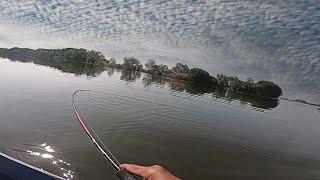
(194, 134)
(263, 39)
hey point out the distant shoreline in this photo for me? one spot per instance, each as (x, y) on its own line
(300, 101)
(91, 69)
(91, 62)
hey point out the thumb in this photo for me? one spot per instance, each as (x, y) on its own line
(135, 169)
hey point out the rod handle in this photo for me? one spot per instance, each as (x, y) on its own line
(125, 175)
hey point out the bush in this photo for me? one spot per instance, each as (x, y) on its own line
(214, 81)
(180, 76)
(180, 68)
(150, 65)
(199, 76)
(161, 70)
(223, 81)
(112, 61)
(267, 88)
(131, 64)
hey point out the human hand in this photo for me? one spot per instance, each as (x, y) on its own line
(155, 172)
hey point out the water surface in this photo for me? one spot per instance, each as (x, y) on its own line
(194, 133)
(271, 40)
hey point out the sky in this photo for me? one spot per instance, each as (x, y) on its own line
(271, 40)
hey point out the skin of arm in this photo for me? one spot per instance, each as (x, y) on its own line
(155, 172)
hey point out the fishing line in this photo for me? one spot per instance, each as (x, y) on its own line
(86, 126)
(121, 173)
(93, 135)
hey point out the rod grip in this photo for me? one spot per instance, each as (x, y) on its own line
(125, 175)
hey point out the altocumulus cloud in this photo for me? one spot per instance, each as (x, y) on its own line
(276, 40)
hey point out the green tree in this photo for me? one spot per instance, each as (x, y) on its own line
(153, 68)
(249, 80)
(94, 57)
(199, 76)
(180, 68)
(70, 54)
(131, 63)
(268, 88)
(214, 81)
(223, 81)
(234, 82)
(150, 65)
(161, 70)
(112, 61)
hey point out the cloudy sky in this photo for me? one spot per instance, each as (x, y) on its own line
(272, 40)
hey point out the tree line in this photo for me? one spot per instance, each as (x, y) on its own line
(83, 59)
(202, 78)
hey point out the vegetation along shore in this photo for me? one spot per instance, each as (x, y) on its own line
(90, 61)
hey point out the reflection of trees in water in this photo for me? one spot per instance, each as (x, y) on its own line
(190, 87)
(72, 67)
(129, 75)
(76, 68)
(69, 60)
(196, 89)
(80, 68)
(217, 93)
(177, 85)
(254, 100)
(110, 71)
(149, 79)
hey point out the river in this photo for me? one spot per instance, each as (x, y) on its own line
(144, 120)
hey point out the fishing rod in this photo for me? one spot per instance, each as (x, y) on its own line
(121, 173)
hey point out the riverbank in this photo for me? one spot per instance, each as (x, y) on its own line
(92, 62)
(201, 77)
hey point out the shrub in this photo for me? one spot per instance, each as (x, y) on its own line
(180, 68)
(180, 76)
(199, 76)
(267, 88)
(131, 64)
